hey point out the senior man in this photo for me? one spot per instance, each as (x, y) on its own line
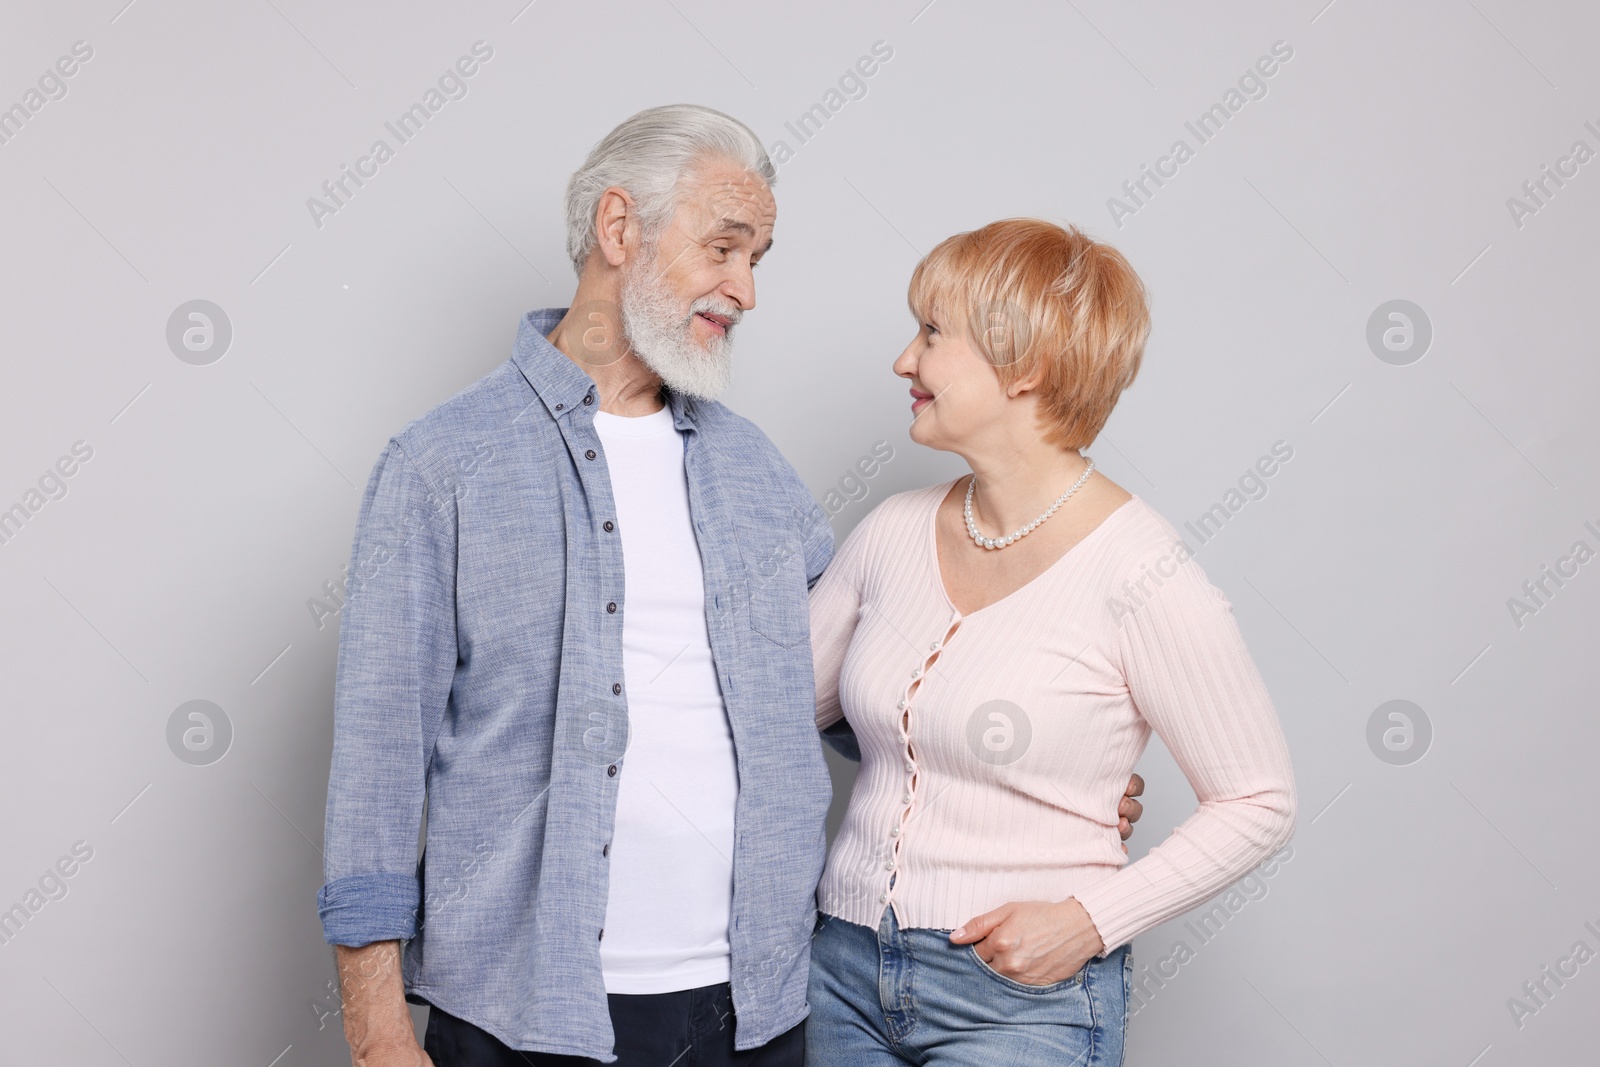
(625, 793)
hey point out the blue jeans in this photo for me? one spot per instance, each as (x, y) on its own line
(891, 997)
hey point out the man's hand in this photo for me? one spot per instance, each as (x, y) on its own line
(1129, 809)
(377, 1023)
(1033, 942)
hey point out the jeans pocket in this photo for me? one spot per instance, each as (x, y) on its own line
(1022, 987)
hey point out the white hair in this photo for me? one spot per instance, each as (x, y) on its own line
(648, 155)
(658, 326)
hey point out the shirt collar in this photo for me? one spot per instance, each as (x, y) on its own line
(559, 382)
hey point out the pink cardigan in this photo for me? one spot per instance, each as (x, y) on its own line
(995, 746)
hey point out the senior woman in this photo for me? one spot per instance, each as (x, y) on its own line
(1002, 646)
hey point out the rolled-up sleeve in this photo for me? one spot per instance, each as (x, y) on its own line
(1193, 680)
(397, 657)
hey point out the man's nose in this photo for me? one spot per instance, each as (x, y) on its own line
(741, 288)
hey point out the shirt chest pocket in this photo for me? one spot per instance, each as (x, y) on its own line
(775, 582)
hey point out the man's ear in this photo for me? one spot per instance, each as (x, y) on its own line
(616, 226)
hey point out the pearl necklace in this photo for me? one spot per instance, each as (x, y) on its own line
(1024, 531)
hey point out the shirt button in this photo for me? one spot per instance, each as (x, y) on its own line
(616, 687)
(608, 526)
(606, 851)
(588, 453)
(611, 608)
(602, 936)
(561, 407)
(589, 399)
(611, 771)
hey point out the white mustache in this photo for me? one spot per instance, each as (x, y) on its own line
(730, 312)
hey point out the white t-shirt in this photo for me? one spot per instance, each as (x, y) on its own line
(671, 885)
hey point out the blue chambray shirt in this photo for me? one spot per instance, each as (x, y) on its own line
(480, 667)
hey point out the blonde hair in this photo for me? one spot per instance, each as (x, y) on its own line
(1046, 302)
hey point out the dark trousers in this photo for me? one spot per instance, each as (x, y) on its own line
(689, 1028)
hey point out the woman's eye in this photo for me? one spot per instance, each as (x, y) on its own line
(930, 327)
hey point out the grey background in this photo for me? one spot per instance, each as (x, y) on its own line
(219, 498)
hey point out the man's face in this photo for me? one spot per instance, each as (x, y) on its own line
(683, 295)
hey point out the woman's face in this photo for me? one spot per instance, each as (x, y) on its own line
(955, 392)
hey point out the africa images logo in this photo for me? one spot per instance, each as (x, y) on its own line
(452, 85)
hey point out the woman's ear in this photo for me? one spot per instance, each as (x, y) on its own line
(1023, 385)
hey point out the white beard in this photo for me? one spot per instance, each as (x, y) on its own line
(660, 330)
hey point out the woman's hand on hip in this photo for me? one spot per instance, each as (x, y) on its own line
(1033, 942)
(1129, 809)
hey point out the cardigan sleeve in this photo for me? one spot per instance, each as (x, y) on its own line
(1192, 679)
(835, 607)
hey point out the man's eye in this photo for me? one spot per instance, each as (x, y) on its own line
(721, 249)
(930, 327)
